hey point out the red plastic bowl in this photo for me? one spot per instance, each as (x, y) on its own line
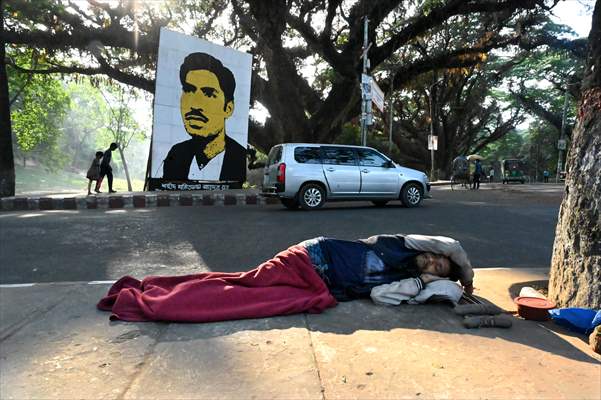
(534, 308)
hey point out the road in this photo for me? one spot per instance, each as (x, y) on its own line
(510, 226)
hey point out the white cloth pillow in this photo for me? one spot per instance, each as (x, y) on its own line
(440, 290)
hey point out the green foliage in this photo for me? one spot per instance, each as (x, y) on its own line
(510, 146)
(39, 106)
(351, 134)
(541, 149)
(85, 126)
(35, 180)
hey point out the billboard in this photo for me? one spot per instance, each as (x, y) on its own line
(200, 124)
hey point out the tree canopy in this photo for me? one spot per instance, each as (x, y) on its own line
(473, 60)
(288, 38)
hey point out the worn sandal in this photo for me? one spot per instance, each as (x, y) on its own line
(487, 321)
(477, 309)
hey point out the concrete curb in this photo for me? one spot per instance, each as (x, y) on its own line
(149, 200)
(142, 200)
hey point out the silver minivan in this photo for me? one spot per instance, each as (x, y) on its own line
(306, 175)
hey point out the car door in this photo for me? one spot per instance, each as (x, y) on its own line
(378, 177)
(270, 171)
(341, 170)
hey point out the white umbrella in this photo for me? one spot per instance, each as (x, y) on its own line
(473, 157)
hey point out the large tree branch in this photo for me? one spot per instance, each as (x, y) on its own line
(500, 131)
(320, 44)
(464, 57)
(538, 110)
(82, 39)
(419, 25)
(103, 69)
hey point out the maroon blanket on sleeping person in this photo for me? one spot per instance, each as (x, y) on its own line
(286, 284)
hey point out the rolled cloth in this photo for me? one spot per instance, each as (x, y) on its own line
(446, 246)
(285, 284)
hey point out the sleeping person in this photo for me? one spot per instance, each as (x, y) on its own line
(308, 277)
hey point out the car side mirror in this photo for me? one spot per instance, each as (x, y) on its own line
(388, 164)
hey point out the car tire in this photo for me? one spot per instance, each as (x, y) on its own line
(380, 203)
(311, 196)
(290, 204)
(412, 195)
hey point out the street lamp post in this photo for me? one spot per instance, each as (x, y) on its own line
(391, 104)
(364, 101)
(431, 145)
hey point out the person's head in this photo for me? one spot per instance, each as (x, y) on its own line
(99, 154)
(435, 264)
(207, 94)
(114, 146)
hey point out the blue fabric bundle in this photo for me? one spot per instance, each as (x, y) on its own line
(582, 320)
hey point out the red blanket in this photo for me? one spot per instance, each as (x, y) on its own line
(286, 284)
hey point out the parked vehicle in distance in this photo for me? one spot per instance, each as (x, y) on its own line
(513, 171)
(307, 175)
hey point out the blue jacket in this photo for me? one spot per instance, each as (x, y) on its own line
(355, 267)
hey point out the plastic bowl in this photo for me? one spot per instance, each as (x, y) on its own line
(534, 308)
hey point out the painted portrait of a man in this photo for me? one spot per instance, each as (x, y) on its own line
(206, 102)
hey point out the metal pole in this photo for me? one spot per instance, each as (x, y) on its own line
(391, 104)
(364, 110)
(431, 133)
(562, 135)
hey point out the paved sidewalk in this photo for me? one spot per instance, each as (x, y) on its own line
(55, 345)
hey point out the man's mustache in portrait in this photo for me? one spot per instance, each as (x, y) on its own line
(196, 115)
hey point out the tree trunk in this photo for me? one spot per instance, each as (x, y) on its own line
(575, 279)
(129, 189)
(7, 161)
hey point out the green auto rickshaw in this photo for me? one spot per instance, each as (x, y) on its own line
(513, 171)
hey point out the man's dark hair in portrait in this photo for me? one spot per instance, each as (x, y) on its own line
(207, 100)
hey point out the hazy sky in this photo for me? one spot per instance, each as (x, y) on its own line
(575, 14)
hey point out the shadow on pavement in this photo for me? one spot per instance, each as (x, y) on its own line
(362, 315)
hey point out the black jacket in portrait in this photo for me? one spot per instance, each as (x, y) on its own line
(177, 163)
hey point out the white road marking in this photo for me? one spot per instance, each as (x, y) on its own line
(13, 285)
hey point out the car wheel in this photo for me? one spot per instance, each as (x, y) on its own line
(380, 203)
(290, 204)
(311, 196)
(412, 195)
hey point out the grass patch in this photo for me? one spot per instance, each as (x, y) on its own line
(35, 179)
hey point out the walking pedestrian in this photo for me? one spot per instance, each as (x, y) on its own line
(93, 173)
(491, 175)
(477, 175)
(106, 169)
(546, 176)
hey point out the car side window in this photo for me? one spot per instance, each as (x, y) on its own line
(369, 158)
(307, 155)
(338, 156)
